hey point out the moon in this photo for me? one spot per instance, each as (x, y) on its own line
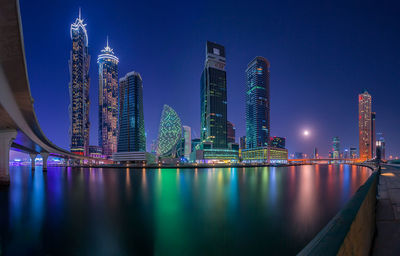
(306, 133)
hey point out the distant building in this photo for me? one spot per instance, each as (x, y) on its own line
(346, 153)
(365, 125)
(315, 153)
(213, 97)
(108, 101)
(231, 133)
(187, 138)
(353, 153)
(96, 152)
(298, 155)
(257, 103)
(195, 143)
(79, 89)
(243, 142)
(381, 139)
(132, 136)
(373, 135)
(278, 142)
(169, 133)
(336, 147)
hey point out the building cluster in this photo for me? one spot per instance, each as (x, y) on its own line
(121, 122)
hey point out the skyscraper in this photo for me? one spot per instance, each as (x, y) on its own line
(257, 103)
(243, 142)
(373, 135)
(213, 99)
(131, 120)
(364, 125)
(169, 133)
(108, 101)
(231, 133)
(187, 136)
(336, 147)
(79, 88)
(380, 137)
(278, 142)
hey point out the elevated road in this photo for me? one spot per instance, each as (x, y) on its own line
(19, 127)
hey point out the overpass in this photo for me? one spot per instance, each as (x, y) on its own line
(19, 127)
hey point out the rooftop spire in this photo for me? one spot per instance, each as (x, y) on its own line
(80, 13)
(107, 42)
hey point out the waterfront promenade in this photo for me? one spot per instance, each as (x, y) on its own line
(387, 239)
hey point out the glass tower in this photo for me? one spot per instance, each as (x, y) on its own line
(213, 99)
(187, 135)
(257, 103)
(365, 125)
(336, 147)
(131, 135)
(79, 89)
(108, 101)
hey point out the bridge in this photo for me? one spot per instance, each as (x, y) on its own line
(19, 127)
(324, 160)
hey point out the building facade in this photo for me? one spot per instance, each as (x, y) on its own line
(373, 135)
(108, 101)
(79, 89)
(257, 103)
(131, 135)
(187, 136)
(336, 147)
(353, 153)
(231, 132)
(381, 139)
(365, 125)
(243, 142)
(278, 142)
(213, 99)
(265, 155)
(169, 133)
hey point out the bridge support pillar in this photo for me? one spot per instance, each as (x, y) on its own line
(33, 157)
(45, 156)
(6, 139)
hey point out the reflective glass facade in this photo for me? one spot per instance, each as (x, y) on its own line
(131, 135)
(231, 132)
(108, 101)
(278, 142)
(79, 89)
(257, 103)
(169, 133)
(365, 125)
(213, 101)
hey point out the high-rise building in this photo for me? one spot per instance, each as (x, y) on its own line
(187, 136)
(169, 133)
(213, 97)
(353, 153)
(373, 135)
(108, 101)
(364, 125)
(131, 137)
(381, 139)
(278, 142)
(231, 132)
(195, 142)
(257, 103)
(315, 153)
(243, 142)
(336, 147)
(79, 88)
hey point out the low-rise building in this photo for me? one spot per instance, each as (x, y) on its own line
(265, 155)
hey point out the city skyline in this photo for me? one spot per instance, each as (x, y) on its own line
(294, 141)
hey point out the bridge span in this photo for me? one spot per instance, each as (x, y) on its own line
(325, 160)
(19, 127)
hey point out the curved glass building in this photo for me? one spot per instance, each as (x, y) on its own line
(169, 133)
(79, 88)
(108, 101)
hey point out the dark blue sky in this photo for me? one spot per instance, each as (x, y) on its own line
(322, 54)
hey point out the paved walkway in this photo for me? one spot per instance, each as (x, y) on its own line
(387, 240)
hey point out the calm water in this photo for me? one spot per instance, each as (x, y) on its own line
(238, 211)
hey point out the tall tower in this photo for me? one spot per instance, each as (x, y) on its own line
(187, 135)
(336, 147)
(364, 125)
(108, 101)
(257, 103)
(213, 97)
(79, 88)
(131, 135)
(373, 135)
(231, 132)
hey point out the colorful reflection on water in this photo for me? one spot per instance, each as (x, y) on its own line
(234, 211)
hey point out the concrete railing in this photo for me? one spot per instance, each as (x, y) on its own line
(351, 231)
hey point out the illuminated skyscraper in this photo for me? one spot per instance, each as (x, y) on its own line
(373, 135)
(364, 125)
(336, 147)
(79, 88)
(187, 136)
(131, 135)
(213, 97)
(231, 133)
(108, 101)
(382, 143)
(169, 133)
(257, 103)
(243, 142)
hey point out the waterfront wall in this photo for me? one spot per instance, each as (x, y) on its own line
(351, 231)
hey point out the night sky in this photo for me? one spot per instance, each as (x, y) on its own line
(322, 54)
